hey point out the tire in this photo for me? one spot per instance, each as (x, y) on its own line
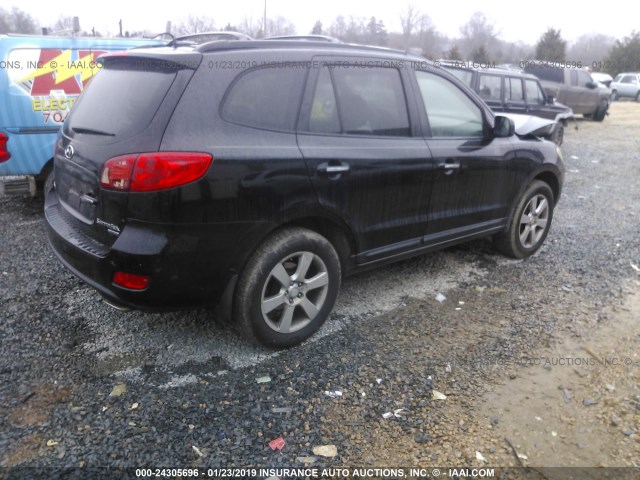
(614, 96)
(638, 96)
(601, 112)
(530, 222)
(557, 136)
(287, 289)
(48, 183)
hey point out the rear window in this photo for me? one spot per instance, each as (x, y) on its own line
(267, 97)
(120, 99)
(545, 72)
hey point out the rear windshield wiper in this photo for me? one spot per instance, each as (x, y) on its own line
(92, 131)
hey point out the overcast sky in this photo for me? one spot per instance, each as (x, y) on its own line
(514, 20)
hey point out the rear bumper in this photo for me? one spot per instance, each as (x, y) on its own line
(18, 185)
(190, 266)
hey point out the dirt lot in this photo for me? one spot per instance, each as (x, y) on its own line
(538, 359)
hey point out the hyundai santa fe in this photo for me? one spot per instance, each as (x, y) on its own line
(253, 175)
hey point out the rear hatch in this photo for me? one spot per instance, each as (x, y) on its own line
(124, 110)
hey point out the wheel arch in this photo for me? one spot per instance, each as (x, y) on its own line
(551, 175)
(334, 230)
(338, 234)
(551, 179)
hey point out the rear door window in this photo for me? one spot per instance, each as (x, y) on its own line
(122, 100)
(535, 95)
(515, 93)
(266, 97)
(573, 75)
(324, 110)
(359, 101)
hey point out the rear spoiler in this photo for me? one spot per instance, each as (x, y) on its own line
(143, 58)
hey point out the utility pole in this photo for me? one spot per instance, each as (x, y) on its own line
(264, 21)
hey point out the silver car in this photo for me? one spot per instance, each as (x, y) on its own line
(626, 85)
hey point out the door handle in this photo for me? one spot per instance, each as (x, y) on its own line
(333, 169)
(449, 166)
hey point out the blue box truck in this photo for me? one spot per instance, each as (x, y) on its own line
(40, 79)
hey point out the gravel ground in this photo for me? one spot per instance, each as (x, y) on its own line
(82, 385)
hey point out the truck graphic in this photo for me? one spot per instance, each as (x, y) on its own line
(40, 79)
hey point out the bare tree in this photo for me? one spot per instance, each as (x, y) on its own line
(514, 52)
(195, 24)
(408, 21)
(280, 26)
(338, 28)
(356, 30)
(376, 33)
(480, 38)
(591, 49)
(4, 21)
(63, 23)
(17, 21)
(252, 27)
(317, 28)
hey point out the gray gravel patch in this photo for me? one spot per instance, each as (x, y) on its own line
(194, 380)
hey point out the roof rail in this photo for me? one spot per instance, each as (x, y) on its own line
(289, 44)
(307, 38)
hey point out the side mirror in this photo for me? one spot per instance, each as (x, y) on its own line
(550, 100)
(503, 127)
(591, 84)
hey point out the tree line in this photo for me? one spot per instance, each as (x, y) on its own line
(479, 40)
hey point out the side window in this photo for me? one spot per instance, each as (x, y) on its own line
(574, 77)
(629, 79)
(265, 98)
(515, 92)
(371, 101)
(490, 87)
(535, 95)
(449, 111)
(324, 110)
(465, 76)
(584, 78)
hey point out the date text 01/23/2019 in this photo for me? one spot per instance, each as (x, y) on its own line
(316, 472)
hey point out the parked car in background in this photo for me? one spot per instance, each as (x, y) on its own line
(626, 85)
(40, 80)
(572, 86)
(602, 78)
(511, 91)
(256, 188)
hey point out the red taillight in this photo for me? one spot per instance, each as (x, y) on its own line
(4, 153)
(146, 172)
(131, 281)
(116, 173)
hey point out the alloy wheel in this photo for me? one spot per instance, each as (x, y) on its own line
(294, 292)
(533, 222)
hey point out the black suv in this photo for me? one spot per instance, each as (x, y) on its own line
(254, 175)
(512, 91)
